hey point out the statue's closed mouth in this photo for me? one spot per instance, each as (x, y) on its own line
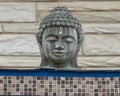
(59, 53)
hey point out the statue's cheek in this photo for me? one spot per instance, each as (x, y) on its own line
(72, 46)
(50, 46)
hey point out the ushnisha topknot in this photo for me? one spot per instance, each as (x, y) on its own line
(60, 16)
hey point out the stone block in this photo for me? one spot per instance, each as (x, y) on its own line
(101, 44)
(19, 61)
(98, 17)
(20, 27)
(81, 5)
(99, 61)
(18, 44)
(101, 28)
(17, 12)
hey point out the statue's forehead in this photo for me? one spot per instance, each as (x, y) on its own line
(60, 31)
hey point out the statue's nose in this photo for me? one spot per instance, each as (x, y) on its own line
(59, 45)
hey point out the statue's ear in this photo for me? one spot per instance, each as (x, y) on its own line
(38, 37)
(80, 42)
(80, 39)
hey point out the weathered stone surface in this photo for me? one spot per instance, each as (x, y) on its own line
(91, 17)
(20, 27)
(99, 61)
(101, 28)
(101, 44)
(22, 61)
(17, 12)
(1, 28)
(18, 44)
(82, 5)
(98, 17)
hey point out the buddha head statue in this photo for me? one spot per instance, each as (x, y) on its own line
(60, 36)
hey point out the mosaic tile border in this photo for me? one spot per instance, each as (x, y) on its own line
(59, 86)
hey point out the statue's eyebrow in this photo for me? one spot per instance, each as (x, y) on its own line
(68, 36)
(50, 35)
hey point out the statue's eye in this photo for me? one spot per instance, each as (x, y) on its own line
(68, 40)
(51, 39)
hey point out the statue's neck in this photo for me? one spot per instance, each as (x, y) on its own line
(52, 65)
(60, 66)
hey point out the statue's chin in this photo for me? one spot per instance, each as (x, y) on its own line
(58, 62)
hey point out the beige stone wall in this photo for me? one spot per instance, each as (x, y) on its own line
(19, 21)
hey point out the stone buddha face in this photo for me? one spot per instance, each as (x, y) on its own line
(59, 38)
(59, 46)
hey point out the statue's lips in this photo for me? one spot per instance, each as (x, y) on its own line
(59, 53)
